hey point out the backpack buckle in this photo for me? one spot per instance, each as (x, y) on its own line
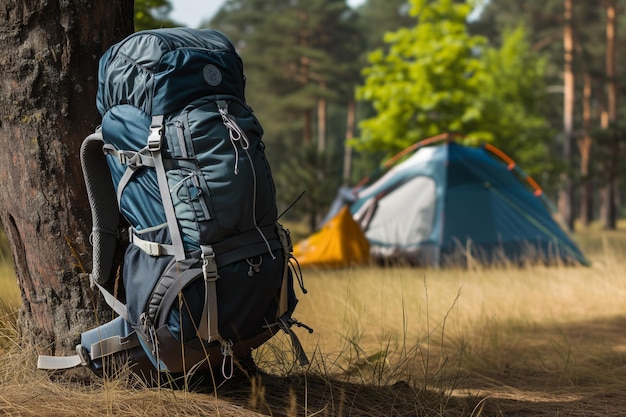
(156, 133)
(209, 265)
(154, 140)
(83, 354)
(209, 268)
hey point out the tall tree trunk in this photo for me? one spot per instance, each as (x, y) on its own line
(48, 67)
(322, 105)
(608, 192)
(566, 199)
(347, 149)
(584, 147)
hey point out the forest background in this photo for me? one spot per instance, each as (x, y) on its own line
(338, 89)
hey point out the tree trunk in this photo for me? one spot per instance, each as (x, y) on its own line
(347, 149)
(584, 147)
(48, 75)
(322, 105)
(609, 209)
(567, 191)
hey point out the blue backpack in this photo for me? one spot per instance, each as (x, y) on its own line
(178, 182)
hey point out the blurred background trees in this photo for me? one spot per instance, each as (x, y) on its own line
(339, 88)
(495, 71)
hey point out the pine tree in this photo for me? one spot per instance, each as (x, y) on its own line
(301, 63)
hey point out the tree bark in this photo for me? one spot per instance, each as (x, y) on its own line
(347, 149)
(608, 192)
(567, 191)
(49, 54)
(584, 148)
(322, 105)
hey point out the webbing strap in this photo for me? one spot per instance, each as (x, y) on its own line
(295, 342)
(124, 180)
(113, 345)
(151, 248)
(208, 327)
(58, 362)
(100, 349)
(133, 160)
(283, 302)
(154, 147)
(114, 303)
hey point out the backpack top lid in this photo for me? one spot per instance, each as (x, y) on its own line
(160, 70)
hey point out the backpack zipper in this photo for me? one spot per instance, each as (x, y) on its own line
(180, 132)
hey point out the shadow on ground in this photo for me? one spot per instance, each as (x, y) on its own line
(576, 369)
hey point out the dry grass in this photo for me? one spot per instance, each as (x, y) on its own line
(403, 342)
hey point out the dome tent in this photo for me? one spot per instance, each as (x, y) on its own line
(450, 204)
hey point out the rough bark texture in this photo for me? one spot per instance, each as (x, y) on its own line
(49, 54)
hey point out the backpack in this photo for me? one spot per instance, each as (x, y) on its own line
(178, 183)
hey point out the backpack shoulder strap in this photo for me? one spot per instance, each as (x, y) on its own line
(104, 208)
(155, 139)
(104, 215)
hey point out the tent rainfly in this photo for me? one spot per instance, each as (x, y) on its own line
(340, 242)
(452, 204)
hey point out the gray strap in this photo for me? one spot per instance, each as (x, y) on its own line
(100, 349)
(123, 157)
(124, 180)
(114, 303)
(58, 362)
(113, 345)
(138, 160)
(208, 327)
(151, 248)
(154, 147)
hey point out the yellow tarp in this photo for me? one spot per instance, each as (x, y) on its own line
(340, 242)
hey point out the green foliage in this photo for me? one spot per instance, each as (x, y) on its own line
(377, 17)
(543, 21)
(437, 77)
(513, 100)
(152, 14)
(427, 82)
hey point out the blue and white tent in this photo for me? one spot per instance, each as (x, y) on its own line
(453, 204)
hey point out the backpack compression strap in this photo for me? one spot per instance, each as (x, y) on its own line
(285, 322)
